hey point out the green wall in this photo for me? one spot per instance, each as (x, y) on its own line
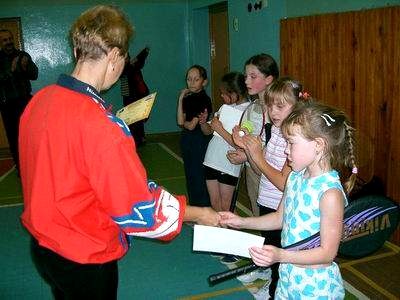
(177, 33)
(258, 31)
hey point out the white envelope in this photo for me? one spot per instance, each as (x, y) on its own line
(221, 240)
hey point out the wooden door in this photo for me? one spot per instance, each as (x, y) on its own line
(219, 49)
(352, 61)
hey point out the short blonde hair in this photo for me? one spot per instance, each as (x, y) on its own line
(284, 89)
(98, 30)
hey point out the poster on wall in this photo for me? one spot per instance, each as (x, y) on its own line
(14, 25)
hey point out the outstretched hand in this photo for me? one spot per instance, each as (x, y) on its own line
(229, 219)
(201, 215)
(208, 217)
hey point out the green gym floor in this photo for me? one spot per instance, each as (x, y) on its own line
(155, 270)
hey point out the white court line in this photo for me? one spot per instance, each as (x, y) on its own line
(11, 205)
(177, 157)
(1, 179)
(347, 285)
(354, 291)
(7, 173)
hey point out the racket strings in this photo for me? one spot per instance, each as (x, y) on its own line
(254, 114)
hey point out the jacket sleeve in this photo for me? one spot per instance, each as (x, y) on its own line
(159, 218)
(138, 206)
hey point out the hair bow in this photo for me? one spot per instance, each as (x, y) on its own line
(304, 95)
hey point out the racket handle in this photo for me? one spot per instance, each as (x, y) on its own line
(220, 277)
(236, 191)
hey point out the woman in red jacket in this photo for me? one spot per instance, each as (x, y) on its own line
(85, 189)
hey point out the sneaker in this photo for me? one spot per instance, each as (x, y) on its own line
(230, 259)
(263, 292)
(260, 273)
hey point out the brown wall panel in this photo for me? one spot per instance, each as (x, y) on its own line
(392, 97)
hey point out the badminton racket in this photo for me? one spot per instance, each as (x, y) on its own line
(368, 222)
(254, 121)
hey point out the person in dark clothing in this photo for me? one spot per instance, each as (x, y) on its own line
(134, 88)
(194, 110)
(16, 71)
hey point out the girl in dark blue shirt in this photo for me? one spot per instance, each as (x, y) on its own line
(194, 110)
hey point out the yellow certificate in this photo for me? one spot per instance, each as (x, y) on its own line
(137, 110)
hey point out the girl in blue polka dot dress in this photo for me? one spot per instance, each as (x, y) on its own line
(320, 139)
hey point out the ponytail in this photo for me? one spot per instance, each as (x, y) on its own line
(350, 160)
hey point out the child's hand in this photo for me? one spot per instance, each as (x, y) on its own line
(203, 117)
(236, 157)
(265, 256)
(237, 136)
(190, 125)
(230, 219)
(183, 93)
(195, 121)
(253, 145)
(216, 124)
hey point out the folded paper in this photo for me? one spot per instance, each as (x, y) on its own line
(138, 110)
(221, 240)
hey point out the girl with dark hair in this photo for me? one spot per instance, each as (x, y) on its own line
(194, 110)
(221, 174)
(260, 72)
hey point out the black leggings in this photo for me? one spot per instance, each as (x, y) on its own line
(272, 237)
(71, 280)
